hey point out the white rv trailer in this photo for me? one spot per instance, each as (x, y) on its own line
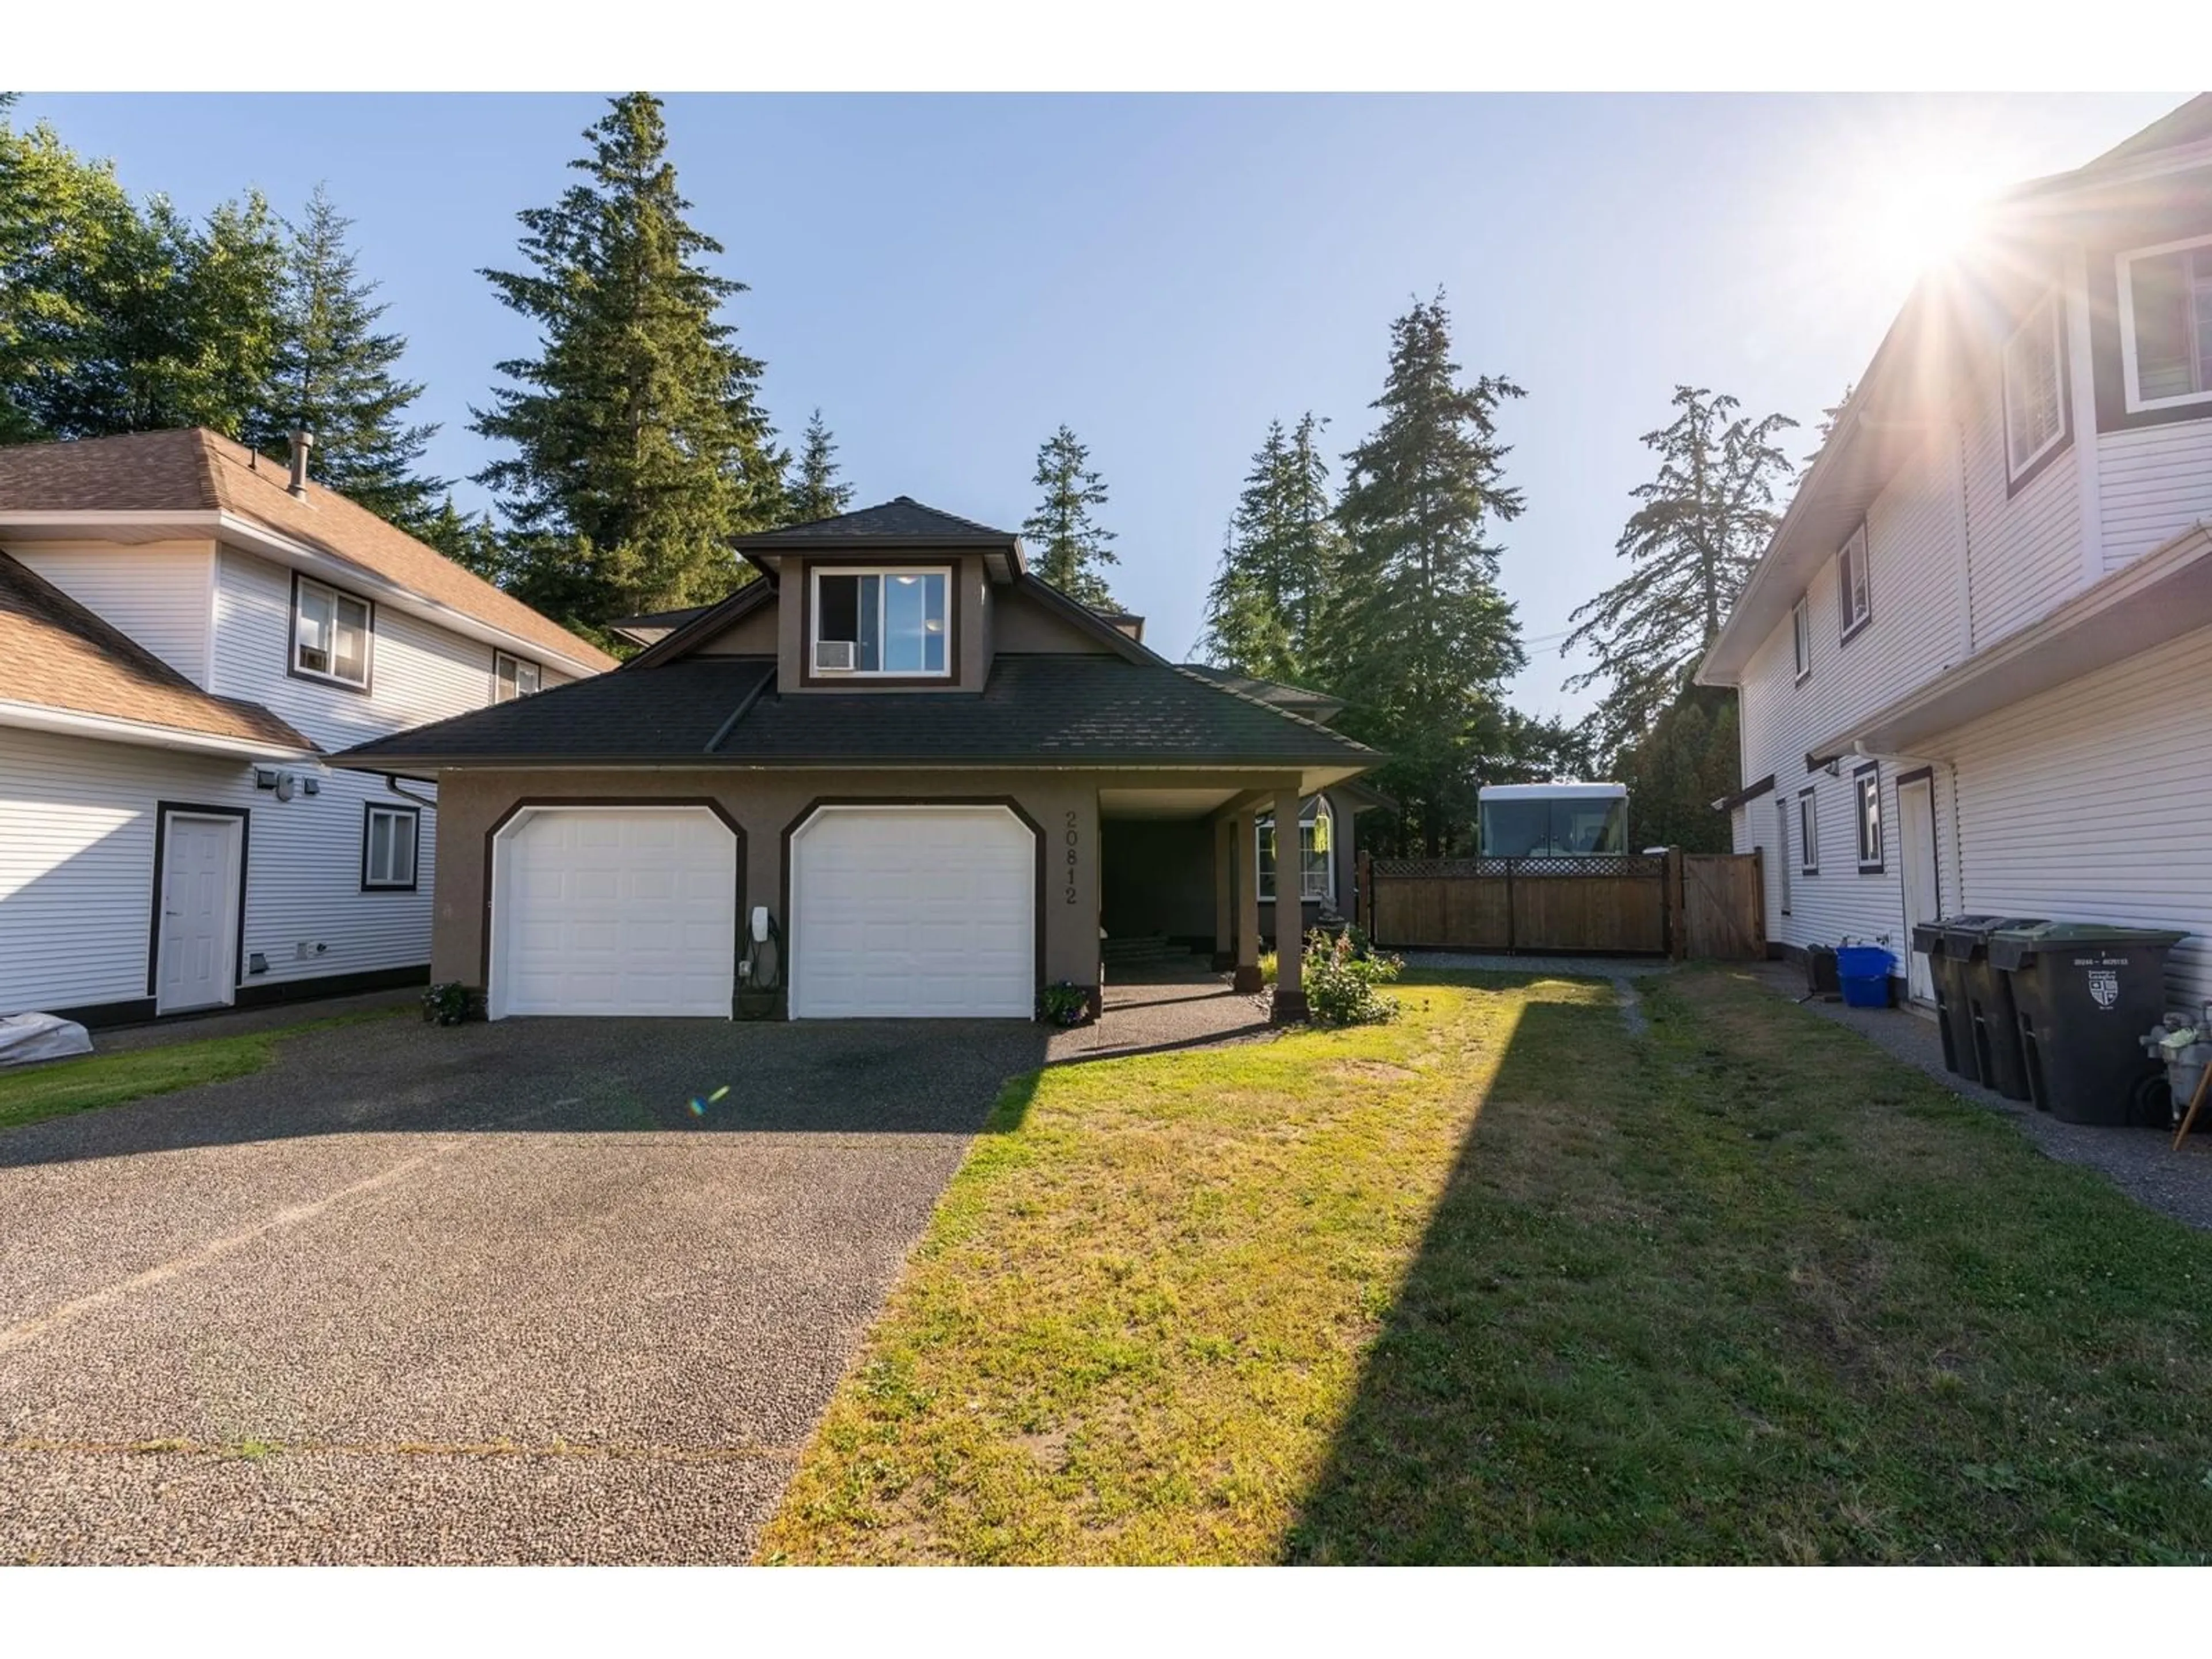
(1552, 820)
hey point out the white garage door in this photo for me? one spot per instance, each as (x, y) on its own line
(913, 912)
(614, 910)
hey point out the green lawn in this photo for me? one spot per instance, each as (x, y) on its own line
(1501, 1283)
(96, 1080)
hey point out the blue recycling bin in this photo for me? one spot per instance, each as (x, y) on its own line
(1864, 970)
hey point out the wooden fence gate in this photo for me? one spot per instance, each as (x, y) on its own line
(1677, 904)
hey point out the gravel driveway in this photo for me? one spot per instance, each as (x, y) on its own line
(492, 1294)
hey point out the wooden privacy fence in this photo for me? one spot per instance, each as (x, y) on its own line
(1677, 904)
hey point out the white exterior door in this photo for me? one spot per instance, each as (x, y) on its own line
(913, 912)
(614, 910)
(198, 936)
(1915, 853)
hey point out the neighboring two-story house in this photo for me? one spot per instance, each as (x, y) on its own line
(941, 778)
(186, 631)
(1975, 663)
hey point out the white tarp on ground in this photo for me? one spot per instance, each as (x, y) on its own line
(27, 1038)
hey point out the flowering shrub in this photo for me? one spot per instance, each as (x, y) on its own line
(451, 1003)
(1341, 972)
(1064, 1003)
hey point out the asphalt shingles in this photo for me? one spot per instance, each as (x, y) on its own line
(1033, 710)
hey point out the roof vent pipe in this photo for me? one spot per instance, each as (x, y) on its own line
(301, 443)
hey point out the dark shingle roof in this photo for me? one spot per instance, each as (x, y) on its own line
(1035, 711)
(902, 520)
(1275, 693)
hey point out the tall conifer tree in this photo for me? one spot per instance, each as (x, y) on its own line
(334, 375)
(1704, 522)
(1422, 639)
(815, 491)
(641, 444)
(1265, 609)
(1068, 546)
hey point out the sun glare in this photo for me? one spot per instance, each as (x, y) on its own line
(1929, 216)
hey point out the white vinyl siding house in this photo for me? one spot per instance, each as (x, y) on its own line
(2009, 509)
(78, 819)
(330, 870)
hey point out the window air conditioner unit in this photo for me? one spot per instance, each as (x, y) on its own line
(833, 656)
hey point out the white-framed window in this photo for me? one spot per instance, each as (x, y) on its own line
(1866, 806)
(331, 632)
(512, 677)
(894, 622)
(1800, 636)
(1782, 850)
(2035, 388)
(2166, 323)
(1854, 601)
(1808, 834)
(1316, 839)
(388, 838)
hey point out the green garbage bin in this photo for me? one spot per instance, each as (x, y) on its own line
(2082, 993)
(1949, 975)
(1992, 1024)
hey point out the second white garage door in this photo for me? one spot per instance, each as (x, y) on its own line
(913, 912)
(614, 910)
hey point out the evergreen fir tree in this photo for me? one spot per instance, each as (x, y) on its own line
(469, 540)
(1068, 546)
(1704, 522)
(1421, 639)
(334, 375)
(815, 491)
(641, 444)
(1265, 610)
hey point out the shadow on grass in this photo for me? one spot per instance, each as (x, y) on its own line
(1416, 1436)
(1748, 1290)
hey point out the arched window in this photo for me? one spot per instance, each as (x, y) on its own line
(1316, 845)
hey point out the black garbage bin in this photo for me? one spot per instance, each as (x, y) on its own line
(1950, 997)
(1991, 1026)
(2082, 993)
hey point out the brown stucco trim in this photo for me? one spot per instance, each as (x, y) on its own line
(955, 602)
(805, 815)
(527, 803)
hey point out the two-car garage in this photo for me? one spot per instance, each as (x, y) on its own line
(904, 910)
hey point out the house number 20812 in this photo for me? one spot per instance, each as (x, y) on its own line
(1068, 893)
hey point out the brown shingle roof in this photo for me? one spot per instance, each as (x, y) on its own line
(54, 654)
(194, 470)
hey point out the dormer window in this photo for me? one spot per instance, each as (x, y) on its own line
(892, 623)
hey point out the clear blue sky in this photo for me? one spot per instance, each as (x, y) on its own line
(952, 277)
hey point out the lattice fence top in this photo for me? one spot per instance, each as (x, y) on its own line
(1631, 863)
